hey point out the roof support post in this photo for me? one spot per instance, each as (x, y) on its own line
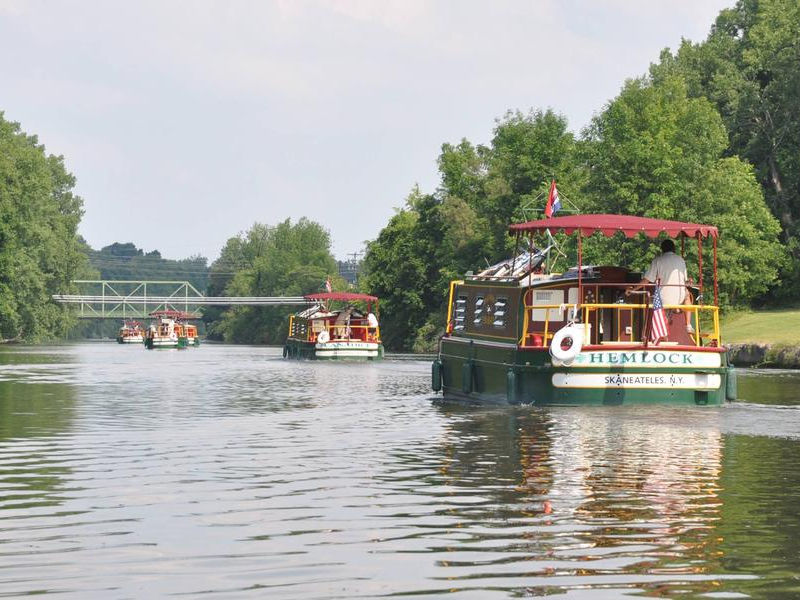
(516, 250)
(530, 256)
(716, 287)
(700, 260)
(580, 267)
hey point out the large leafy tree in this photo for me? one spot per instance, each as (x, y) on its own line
(749, 68)
(39, 249)
(657, 152)
(284, 260)
(400, 267)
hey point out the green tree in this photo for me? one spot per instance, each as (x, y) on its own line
(749, 68)
(39, 249)
(657, 152)
(284, 260)
(124, 261)
(397, 269)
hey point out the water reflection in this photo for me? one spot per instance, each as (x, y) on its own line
(571, 498)
(226, 471)
(34, 412)
(769, 386)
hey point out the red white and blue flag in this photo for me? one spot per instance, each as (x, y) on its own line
(658, 323)
(553, 201)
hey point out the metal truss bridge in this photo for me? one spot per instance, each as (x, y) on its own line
(137, 299)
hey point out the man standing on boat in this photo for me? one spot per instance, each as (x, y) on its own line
(669, 270)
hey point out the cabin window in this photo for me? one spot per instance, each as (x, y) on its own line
(460, 313)
(500, 308)
(544, 298)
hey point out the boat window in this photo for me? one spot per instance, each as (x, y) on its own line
(460, 313)
(478, 316)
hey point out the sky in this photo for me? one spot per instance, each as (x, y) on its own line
(217, 115)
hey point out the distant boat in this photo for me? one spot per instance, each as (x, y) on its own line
(171, 330)
(324, 331)
(130, 333)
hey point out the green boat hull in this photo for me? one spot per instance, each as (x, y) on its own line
(480, 371)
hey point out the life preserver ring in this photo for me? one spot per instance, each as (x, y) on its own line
(323, 337)
(573, 333)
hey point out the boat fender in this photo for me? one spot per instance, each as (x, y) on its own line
(511, 387)
(731, 387)
(323, 337)
(572, 332)
(285, 351)
(436, 375)
(467, 372)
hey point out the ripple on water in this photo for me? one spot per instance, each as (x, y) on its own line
(227, 471)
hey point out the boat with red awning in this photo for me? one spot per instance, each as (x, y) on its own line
(337, 325)
(519, 333)
(171, 330)
(130, 333)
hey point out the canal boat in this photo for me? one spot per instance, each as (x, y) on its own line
(163, 333)
(338, 325)
(130, 333)
(517, 333)
(171, 330)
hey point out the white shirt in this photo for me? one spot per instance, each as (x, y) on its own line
(670, 270)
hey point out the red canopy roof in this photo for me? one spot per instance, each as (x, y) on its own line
(611, 224)
(340, 296)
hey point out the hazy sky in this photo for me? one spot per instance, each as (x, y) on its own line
(220, 114)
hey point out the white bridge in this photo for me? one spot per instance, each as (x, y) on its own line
(137, 299)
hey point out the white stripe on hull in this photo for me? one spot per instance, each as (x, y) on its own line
(680, 381)
(346, 350)
(348, 353)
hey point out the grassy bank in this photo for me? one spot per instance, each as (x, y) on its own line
(762, 327)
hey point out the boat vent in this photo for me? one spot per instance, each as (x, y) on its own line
(460, 314)
(500, 312)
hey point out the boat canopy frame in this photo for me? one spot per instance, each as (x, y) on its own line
(346, 297)
(630, 226)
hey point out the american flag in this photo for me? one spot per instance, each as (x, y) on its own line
(658, 324)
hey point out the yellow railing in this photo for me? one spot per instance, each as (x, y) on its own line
(586, 311)
(449, 321)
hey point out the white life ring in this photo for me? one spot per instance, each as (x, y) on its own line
(575, 335)
(323, 337)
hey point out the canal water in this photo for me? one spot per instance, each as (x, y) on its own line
(227, 472)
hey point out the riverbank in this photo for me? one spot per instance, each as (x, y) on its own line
(766, 338)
